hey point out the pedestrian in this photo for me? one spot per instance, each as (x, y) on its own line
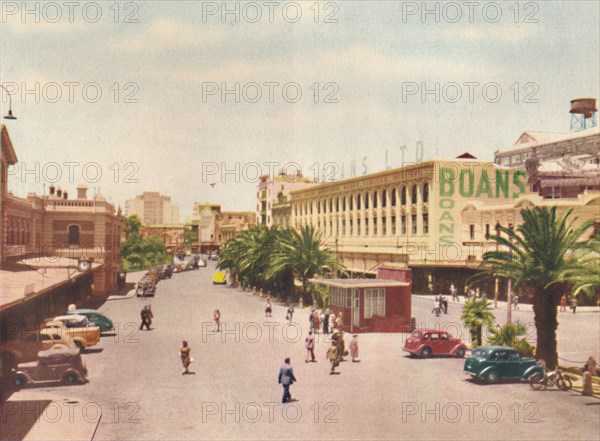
(290, 313)
(444, 301)
(453, 293)
(317, 321)
(516, 302)
(301, 303)
(311, 319)
(563, 303)
(217, 317)
(339, 321)
(338, 339)
(310, 347)
(326, 322)
(286, 379)
(186, 359)
(574, 304)
(269, 309)
(332, 356)
(145, 318)
(354, 348)
(436, 307)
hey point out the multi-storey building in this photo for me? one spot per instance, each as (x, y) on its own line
(153, 209)
(270, 191)
(433, 216)
(56, 225)
(233, 222)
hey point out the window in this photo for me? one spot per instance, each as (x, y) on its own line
(384, 199)
(435, 336)
(374, 199)
(351, 229)
(383, 226)
(425, 223)
(337, 205)
(340, 297)
(74, 234)
(374, 302)
(393, 224)
(414, 194)
(413, 221)
(394, 191)
(472, 232)
(344, 204)
(375, 226)
(426, 193)
(358, 202)
(487, 231)
(403, 196)
(366, 200)
(403, 224)
(444, 336)
(343, 228)
(366, 227)
(351, 202)
(358, 227)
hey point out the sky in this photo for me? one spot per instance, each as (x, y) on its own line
(196, 99)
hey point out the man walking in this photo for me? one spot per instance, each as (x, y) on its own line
(310, 347)
(326, 322)
(145, 318)
(286, 379)
(290, 313)
(332, 356)
(453, 293)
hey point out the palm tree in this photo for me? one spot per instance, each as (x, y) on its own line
(508, 335)
(476, 315)
(306, 254)
(538, 256)
(586, 278)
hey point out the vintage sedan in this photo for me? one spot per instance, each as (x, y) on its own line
(428, 342)
(53, 365)
(96, 318)
(491, 363)
(76, 327)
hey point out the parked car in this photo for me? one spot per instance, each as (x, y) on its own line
(53, 365)
(25, 349)
(220, 278)
(146, 287)
(77, 328)
(428, 342)
(96, 318)
(491, 363)
(165, 271)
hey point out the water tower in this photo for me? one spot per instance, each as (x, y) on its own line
(583, 114)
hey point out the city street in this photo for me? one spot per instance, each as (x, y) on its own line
(136, 379)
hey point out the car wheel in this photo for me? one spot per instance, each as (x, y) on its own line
(492, 377)
(20, 381)
(565, 384)
(460, 353)
(70, 378)
(535, 381)
(426, 353)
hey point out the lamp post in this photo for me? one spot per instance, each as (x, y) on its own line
(509, 287)
(10, 114)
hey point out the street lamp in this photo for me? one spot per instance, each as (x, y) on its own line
(10, 114)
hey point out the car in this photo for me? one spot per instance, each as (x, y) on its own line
(427, 342)
(52, 365)
(26, 349)
(220, 278)
(492, 363)
(76, 327)
(96, 318)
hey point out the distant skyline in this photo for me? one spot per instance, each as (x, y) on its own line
(363, 80)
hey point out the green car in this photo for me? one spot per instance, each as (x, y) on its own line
(491, 363)
(96, 318)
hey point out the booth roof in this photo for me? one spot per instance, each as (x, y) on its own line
(359, 283)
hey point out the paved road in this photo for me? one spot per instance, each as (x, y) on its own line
(234, 392)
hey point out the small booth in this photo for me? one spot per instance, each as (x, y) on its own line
(370, 305)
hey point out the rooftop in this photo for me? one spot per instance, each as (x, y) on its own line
(359, 283)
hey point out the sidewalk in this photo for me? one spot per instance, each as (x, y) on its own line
(134, 278)
(52, 419)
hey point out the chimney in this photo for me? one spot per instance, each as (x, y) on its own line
(66, 194)
(81, 192)
(52, 188)
(59, 192)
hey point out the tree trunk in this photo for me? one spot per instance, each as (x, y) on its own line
(545, 303)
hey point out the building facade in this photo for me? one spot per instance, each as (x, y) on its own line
(172, 236)
(271, 189)
(233, 222)
(153, 209)
(61, 226)
(433, 216)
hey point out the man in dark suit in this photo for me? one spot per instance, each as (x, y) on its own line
(286, 379)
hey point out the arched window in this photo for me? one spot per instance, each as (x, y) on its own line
(414, 194)
(343, 204)
(337, 205)
(331, 205)
(318, 207)
(351, 203)
(394, 191)
(426, 192)
(403, 196)
(366, 200)
(374, 199)
(384, 198)
(358, 198)
(74, 234)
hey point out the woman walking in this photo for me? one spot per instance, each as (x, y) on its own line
(184, 352)
(217, 317)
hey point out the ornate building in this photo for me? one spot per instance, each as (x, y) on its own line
(233, 222)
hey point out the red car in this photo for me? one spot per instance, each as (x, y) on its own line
(428, 342)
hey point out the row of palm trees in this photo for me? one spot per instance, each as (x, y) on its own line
(277, 259)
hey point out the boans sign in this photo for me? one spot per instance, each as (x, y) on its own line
(474, 183)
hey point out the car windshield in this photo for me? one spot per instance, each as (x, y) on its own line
(479, 352)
